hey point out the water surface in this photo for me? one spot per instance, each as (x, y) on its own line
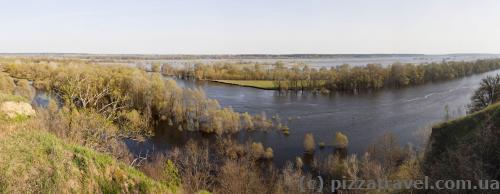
(339, 60)
(363, 117)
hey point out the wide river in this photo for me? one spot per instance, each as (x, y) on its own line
(354, 60)
(363, 117)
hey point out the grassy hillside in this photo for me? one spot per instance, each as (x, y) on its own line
(7, 97)
(460, 148)
(450, 134)
(34, 161)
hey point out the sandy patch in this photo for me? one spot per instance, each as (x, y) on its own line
(13, 109)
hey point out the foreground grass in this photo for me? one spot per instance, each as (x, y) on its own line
(8, 97)
(34, 161)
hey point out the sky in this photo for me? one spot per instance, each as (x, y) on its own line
(250, 27)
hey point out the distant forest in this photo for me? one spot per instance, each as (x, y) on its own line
(339, 78)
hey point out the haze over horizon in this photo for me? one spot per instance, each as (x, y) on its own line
(256, 27)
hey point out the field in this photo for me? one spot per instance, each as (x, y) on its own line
(261, 84)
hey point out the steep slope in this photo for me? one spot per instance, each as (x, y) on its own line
(466, 148)
(35, 161)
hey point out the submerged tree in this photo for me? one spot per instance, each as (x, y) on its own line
(341, 140)
(155, 67)
(309, 143)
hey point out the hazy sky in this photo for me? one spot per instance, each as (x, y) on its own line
(251, 26)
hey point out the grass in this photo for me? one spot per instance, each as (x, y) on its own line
(34, 161)
(463, 126)
(261, 84)
(8, 97)
(447, 136)
(16, 119)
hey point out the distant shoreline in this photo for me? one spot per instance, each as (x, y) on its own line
(231, 56)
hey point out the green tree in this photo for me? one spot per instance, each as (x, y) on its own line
(172, 177)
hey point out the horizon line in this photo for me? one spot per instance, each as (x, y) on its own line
(235, 54)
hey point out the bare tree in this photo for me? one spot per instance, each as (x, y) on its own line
(487, 93)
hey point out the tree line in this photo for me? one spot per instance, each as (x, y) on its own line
(339, 78)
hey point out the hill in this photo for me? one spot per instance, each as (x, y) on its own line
(466, 148)
(35, 161)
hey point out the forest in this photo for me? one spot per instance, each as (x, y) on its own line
(132, 97)
(345, 78)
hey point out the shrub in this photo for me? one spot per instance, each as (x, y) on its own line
(172, 178)
(269, 153)
(134, 123)
(195, 167)
(6, 83)
(334, 165)
(309, 143)
(155, 67)
(341, 140)
(298, 162)
(291, 179)
(257, 150)
(321, 145)
(487, 93)
(85, 128)
(240, 176)
(285, 130)
(246, 120)
(388, 151)
(24, 89)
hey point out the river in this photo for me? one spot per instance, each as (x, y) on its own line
(364, 118)
(317, 62)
